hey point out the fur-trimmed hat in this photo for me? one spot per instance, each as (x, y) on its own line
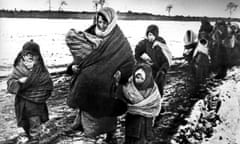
(145, 71)
(152, 29)
(31, 47)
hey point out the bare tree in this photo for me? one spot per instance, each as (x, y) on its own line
(97, 3)
(231, 7)
(169, 8)
(63, 2)
(102, 2)
(49, 5)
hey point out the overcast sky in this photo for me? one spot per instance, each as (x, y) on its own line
(180, 7)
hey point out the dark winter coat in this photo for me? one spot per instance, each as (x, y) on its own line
(160, 62)
(138, 129)
(220, 58)
(31, 96)
(94, 89)
(205, 27)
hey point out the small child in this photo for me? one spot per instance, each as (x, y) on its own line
(32, 84)
(144, 103)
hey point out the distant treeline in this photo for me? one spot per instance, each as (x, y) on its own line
(89, 15)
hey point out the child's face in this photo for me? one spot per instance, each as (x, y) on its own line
(150, 37)
(29, 60)
(140, 76)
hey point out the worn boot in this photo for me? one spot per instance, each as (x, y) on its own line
(26, 128)
(77, 123)
(111, 139)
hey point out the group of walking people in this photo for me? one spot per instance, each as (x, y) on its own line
(215, 49)
(108, 80)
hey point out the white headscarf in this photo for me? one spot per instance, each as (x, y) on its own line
(111, 17)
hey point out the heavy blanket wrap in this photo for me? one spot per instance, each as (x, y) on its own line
(93, 90)
(149, 107)
(81, 44)
(38, 86)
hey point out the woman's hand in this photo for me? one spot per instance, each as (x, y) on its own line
(23, 79)
(75, 68)
(117, 77)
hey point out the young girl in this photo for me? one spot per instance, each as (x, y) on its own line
(31, 82)
(144, 102)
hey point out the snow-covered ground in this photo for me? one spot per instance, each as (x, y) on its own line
(208, 126)
(50, 35)
(228, 131)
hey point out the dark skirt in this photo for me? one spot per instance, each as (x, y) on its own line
(160, 79)
(25, 109)
(95, 126)
(138, 129)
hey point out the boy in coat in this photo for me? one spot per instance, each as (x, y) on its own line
(160, 56)
(32, 84)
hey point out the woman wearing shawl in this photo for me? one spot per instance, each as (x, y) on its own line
(143, 99)
(98, 75)
(160, 56)
(31, 82)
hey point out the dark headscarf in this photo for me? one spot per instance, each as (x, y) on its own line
(148, 82)
(34, 49)
(152, 29)
(205, 26)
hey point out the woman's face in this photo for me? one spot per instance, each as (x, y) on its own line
(101, 23)
(150, 37)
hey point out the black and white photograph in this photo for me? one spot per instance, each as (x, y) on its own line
(120, 72)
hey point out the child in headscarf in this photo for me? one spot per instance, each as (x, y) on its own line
(31, 82)
(143, 99)
(156, 49)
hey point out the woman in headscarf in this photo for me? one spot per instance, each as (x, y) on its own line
(32, 84)
(99, 74)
